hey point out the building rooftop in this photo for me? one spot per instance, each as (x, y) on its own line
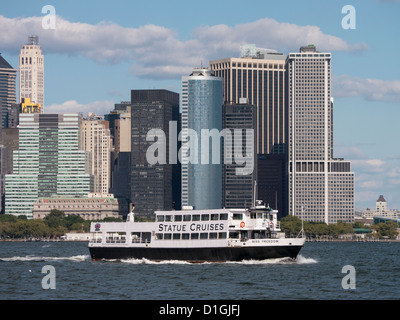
(4, 64)
(309, 48)
(202, 72)
(381, 199)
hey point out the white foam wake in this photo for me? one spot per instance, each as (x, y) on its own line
(303, 260)
(182, 262)
(146, 261)
(42, 258)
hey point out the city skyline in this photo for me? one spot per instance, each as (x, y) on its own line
(154, 50)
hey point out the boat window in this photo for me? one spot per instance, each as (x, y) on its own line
(135, 236)
(146, 237)
(234, 235)
(194, 236)
(185, 236)
(213, 235)
(223, 216)
(196, 217)
(186, 217)
(214, 216)
(222, 235)
(168, 218)
(237, 216)
(176, 236)
(205, 217)
(178, 217)
(160, 218)
(115, 237)
(159, 236)
(167, 236)
(204, 235)
(252, 215)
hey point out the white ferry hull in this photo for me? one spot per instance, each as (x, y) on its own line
(215, 254)
(196, 235)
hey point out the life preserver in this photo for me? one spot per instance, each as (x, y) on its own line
(271, 225)
(242, 224)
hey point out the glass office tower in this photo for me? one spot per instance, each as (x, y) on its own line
(49, 162)
(201, 155)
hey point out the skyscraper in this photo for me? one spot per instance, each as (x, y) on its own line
(120, 126)
(50, 161)
(97, 140)
(321, 188)
(152, 184)
(7, 89)
(201, 163)
(239, 184)
(258, 76)
(31, 72)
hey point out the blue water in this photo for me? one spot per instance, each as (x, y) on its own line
(317, 275)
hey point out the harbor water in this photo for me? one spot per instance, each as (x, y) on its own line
(323, 270)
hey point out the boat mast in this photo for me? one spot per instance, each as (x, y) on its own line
(301, 233)
(254, 193)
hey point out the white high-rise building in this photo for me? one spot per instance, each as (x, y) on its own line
(31, 72)
(97, 140)
(321, 188)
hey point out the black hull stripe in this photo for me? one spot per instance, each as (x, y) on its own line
(196, 254)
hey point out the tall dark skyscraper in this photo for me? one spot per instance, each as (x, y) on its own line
(7, 89)
(152, 185)
(238, 188)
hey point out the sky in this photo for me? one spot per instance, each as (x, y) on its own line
(97, 51)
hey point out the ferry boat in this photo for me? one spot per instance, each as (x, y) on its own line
(217, 235)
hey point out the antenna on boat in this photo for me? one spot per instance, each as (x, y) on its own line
(131, 215)
(301, 233)
(254, 193)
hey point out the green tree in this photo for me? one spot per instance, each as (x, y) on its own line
(55, 219)
(72, 222)
(386, 229)
(291, 225)
(7, 218)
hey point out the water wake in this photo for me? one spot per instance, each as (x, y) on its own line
(302, 260)
(146, 261)
(42, 258)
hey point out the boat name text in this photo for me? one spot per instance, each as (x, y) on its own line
(191, 227)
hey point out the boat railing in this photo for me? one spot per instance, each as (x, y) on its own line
(139, 240)
(115, 240)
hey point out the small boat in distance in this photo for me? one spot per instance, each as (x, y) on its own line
(216, 235)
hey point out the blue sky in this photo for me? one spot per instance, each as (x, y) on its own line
(100, 50)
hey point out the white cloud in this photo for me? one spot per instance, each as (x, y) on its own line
(369, 89)
(73, 106)
(156, 51)
(374, 177)
(349, 152)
